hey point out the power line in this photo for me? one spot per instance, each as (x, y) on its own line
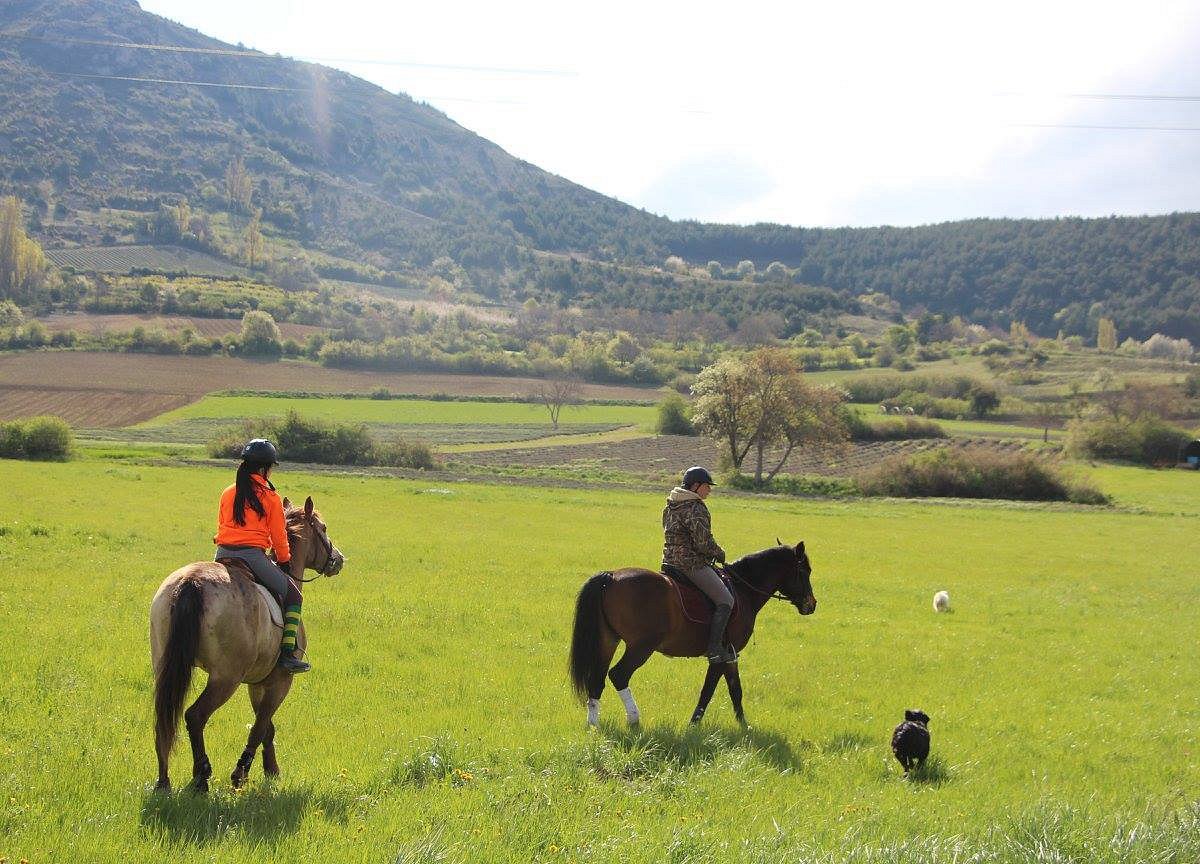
(1106, 127)
(259, 55)
(131, 78)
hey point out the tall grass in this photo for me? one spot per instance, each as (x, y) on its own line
(437, 724)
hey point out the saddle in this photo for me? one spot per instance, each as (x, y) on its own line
(272, 603)
(697, 608)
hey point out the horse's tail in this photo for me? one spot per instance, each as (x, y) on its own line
(585, 642)
(174, 674)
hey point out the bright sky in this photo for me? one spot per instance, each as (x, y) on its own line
(809, 113)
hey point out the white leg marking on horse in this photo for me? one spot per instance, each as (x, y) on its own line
(631, 710)
(593, 706)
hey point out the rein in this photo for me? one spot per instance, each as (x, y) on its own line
(770, 595)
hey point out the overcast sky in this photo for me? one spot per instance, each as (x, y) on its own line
(858, 113)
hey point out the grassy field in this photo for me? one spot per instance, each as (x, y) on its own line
(406, 411)
(437, 725)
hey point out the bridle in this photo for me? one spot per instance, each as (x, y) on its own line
(323, 570)
(777, 594)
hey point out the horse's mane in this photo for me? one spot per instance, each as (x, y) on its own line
(755, 561)
(293, 516)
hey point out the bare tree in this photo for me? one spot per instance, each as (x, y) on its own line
(555, 394)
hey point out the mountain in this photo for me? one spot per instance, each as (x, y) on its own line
(343, 168)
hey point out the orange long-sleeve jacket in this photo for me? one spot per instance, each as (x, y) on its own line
(268, 531)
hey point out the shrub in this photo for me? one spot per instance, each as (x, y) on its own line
(834, 487)
(303, 440)
(892, 428)
(1148, 440)
(674, 416)
(974, 473)
(42, 438)
(405, 454)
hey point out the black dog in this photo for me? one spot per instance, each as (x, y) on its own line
(910, 741)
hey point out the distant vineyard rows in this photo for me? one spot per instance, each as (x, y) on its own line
(126, 259)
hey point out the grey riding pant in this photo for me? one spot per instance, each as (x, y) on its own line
(265, 570)
(706, 579)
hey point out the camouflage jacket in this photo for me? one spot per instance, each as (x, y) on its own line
(687, 532)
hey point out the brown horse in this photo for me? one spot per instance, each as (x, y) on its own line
(643, 609)
(209, 616)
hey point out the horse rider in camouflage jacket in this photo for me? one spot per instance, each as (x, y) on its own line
(688, 544)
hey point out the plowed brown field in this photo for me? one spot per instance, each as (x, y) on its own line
(667, 454)
(106, 390)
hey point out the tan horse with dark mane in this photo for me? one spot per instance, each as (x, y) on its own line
(215, 617)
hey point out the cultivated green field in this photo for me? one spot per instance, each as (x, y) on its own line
(406, 411)
(437, 724)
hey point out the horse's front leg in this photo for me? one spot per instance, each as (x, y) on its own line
(215, 694)
(706, 692)
(266, 699)
(733, 680)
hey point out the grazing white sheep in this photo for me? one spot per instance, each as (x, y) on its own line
(941, 601)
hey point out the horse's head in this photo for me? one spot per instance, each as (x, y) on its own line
(309, 539)
(796, 584)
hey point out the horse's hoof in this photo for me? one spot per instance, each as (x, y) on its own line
(271, 773)
(163, 786)
(696, 718)
(200, 786)
(237, 779)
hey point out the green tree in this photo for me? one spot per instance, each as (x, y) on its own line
(776, 272)
(1106, 335)
(725, 408)
(252, 241)
(762, 402)
(238, 186)
(22, 263)
(260, 334)
(983, 398)
(673, 418)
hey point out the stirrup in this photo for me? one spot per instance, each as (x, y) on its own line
(292, 664)
(727, 654)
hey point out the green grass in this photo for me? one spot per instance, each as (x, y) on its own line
(406, 411)
(437, 724)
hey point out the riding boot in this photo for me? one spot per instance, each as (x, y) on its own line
(287, 649)
(717, 651)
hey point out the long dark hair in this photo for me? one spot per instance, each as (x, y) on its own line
(246, 494)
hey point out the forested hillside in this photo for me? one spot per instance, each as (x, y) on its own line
(342, 169)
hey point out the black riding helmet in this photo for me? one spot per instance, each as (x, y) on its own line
(260, 451)
(696, 474)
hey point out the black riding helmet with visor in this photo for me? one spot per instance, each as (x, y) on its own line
(695, 475)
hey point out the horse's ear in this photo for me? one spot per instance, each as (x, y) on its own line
(800, 548)
(778, 542)
(308, 506)
(287, 504)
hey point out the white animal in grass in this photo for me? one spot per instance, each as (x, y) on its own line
(941, 601)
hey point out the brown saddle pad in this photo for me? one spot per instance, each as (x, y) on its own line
(697, 608)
